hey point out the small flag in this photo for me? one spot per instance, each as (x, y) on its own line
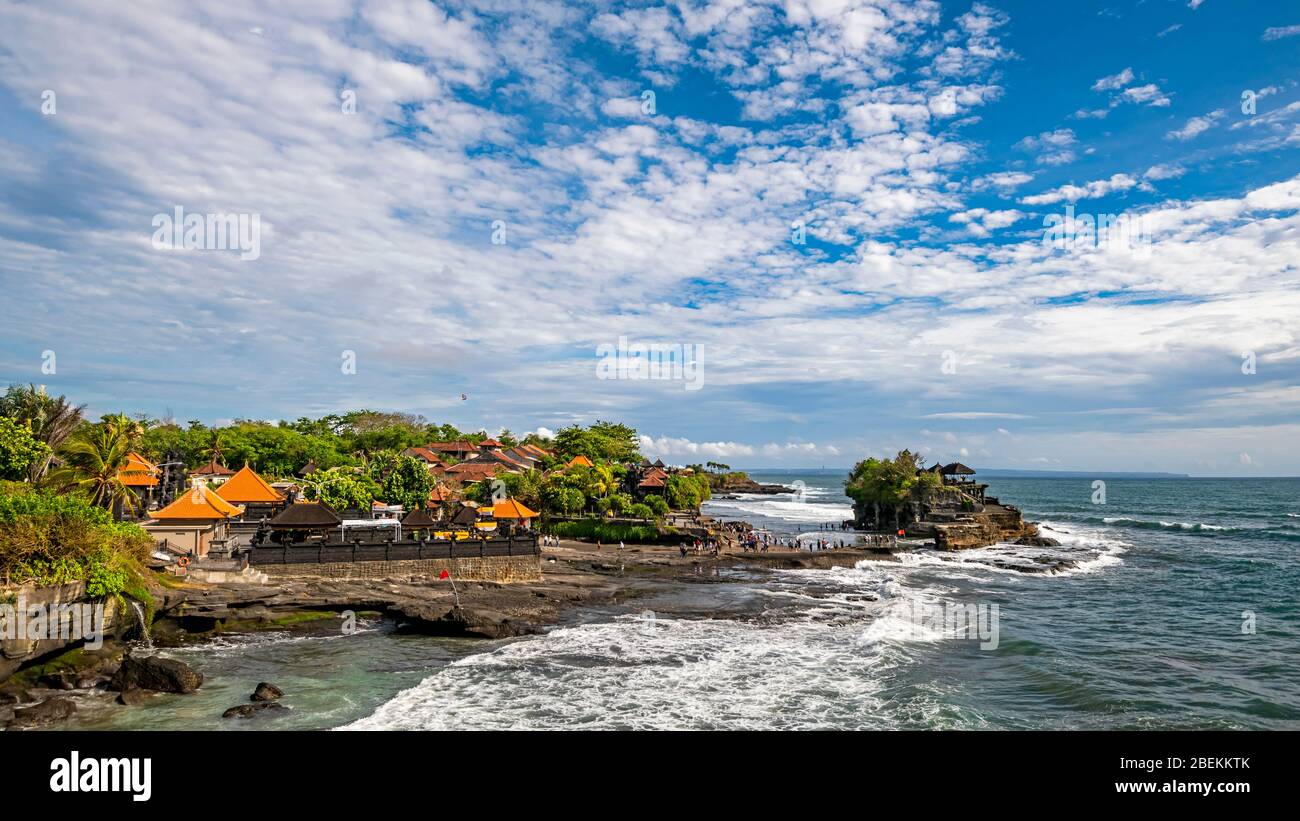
(444, 575)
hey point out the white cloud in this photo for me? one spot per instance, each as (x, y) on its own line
(1089, 190)
(1114, 81)
(1195, 126)
(1051, 147)
(1280, 32)
(1149, 94)
(1164, 171)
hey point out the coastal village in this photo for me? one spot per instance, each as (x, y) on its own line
(183, 533)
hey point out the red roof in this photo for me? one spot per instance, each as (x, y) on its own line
(473, 471)
(490, 443)
(441, 494)
(423, 454)
(452, 447)
(212, 469)
(651, 481)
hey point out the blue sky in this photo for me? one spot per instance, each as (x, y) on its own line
(923, 147)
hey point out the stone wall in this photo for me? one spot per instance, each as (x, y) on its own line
(503, 569)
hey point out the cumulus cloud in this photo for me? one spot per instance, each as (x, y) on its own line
(1090, 190)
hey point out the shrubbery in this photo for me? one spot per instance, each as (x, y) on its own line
(605, 531)
(49, 539)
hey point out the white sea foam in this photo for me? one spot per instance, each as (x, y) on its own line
(779, 507)
(1114, 520)
(664, 674)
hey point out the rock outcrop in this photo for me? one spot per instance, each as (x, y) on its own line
(47, 712)
(266, 692)
(157, 674)
(994, 524)
(260, 708)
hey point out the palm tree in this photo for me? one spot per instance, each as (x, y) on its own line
(93, 461)
(52, 419)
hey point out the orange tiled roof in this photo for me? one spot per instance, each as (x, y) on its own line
(511, 509)
(581, 460)
(198, 503)
(139, 472)
(247, 486)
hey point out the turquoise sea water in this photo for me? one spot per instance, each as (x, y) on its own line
(1144, 629)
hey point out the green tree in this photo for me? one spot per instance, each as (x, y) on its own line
(341, 489)
(602, 441)
(52, 419)
(20, 450)
(408, 483)
(687, 492)
(93, 459)
(887, 487)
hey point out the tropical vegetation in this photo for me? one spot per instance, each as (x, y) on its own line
(884, 491)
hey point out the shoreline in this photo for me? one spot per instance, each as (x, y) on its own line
(577, 578)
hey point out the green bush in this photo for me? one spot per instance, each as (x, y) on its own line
(594, 529)
(48, 539)
(657, 504)
(639, 511)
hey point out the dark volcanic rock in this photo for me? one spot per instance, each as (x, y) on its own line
(476, 621)
(47, 712)
(154, 673)
(266, 692)
(251, 710)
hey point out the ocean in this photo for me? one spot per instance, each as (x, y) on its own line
(1176, 608)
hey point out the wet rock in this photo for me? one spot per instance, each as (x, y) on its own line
(154, 673)
(266, 692)
(1037, 541)
(50, 711)
(62, 680)
(252, 710)
(477, 621)
(134, 696)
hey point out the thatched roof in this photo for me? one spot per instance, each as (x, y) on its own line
(305, 516)
(957, 469)
(465, 516)
(421, 517)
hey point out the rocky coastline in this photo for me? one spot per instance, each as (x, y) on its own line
(576, 575)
